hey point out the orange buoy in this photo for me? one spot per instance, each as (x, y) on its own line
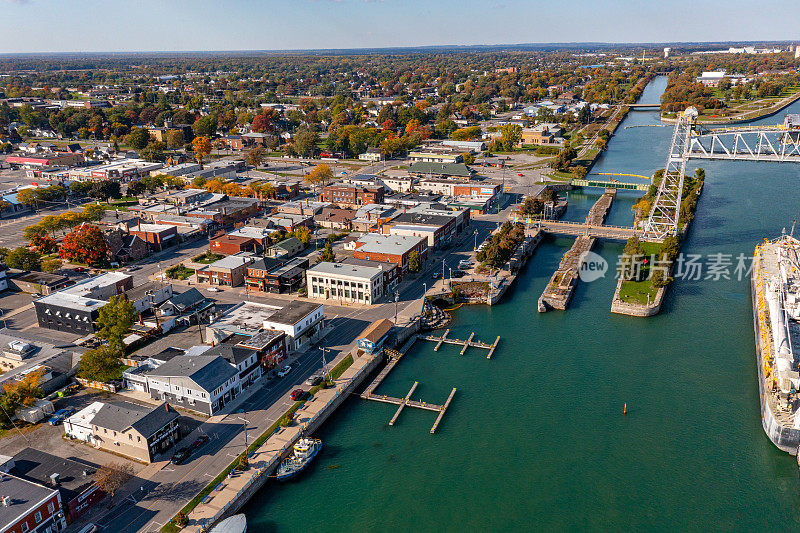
(625, 409)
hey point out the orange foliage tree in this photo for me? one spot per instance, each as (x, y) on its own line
(84, 244)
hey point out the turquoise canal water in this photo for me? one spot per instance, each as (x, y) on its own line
(535, 438)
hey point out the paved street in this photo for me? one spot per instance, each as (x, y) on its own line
(151, 500)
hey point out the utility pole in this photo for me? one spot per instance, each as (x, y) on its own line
(325, 363)
(396, 299)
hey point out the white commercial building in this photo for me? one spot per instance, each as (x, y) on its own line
(79, 425)
(345, 283)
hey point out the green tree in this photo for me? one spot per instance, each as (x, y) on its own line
(101, 364)
(469, 158)
(137, 138)
(24, 259)
(114, 321)
(328, 254)
(510, 135)
(414, 263)
(305, 143)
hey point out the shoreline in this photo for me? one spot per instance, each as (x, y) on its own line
(792, 99)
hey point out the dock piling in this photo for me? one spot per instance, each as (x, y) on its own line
(466, 344)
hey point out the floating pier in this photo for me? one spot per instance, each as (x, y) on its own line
(402, 403)
(444, 339)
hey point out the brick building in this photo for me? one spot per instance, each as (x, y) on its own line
(351, 195)
(395, 249)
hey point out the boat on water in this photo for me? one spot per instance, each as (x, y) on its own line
(234, 524)
(304, 451)
(775, 287)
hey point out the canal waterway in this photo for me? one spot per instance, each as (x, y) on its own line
(535, 438)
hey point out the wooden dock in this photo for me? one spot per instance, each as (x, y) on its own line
(402, 403)
(444, 408)
(444, 339)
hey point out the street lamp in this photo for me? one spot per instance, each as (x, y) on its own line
(476, 242)
(323, 349)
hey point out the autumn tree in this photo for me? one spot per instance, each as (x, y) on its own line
(114, 321)
(112, 476)
(28, 197)
(256, 156)
(202, 147)
(84, 244)
(137, 138)
(103, 190)
(319, 175)
(175, 139)
(305, 143)
(24, 392)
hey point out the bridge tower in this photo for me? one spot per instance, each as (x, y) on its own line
(663, 219)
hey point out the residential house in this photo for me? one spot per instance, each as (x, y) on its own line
(286, 248)
(200, 383)
(191, 305)
(228, 272)
(135, 431)
(277, 276)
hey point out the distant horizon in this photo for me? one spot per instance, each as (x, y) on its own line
(545, 46)
(150, 26)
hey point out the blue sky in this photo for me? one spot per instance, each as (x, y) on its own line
(139, 25)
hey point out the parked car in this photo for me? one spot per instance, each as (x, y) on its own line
(133, 268)
(436, 275)
(60, 415)
(181, 455)
(35, 295)
(314, 380)
(459, 273)
(213, 289)
(464, 263)
(284, 371)
(199, 441)
(297, 394)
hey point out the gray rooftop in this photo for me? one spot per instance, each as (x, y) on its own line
(25, 496)
(203, 371)
(345, 270)
(388, 244)
(145, 420)
(293, 313)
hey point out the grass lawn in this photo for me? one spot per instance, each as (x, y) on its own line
(637, 292)
(207, 258)
(180, 273)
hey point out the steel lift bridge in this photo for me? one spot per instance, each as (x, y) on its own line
(779, 143)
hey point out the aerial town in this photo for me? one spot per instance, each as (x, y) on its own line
(220, 271)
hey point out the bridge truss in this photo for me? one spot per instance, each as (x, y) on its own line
(780, 143)
(770, 143)
(663, 219)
